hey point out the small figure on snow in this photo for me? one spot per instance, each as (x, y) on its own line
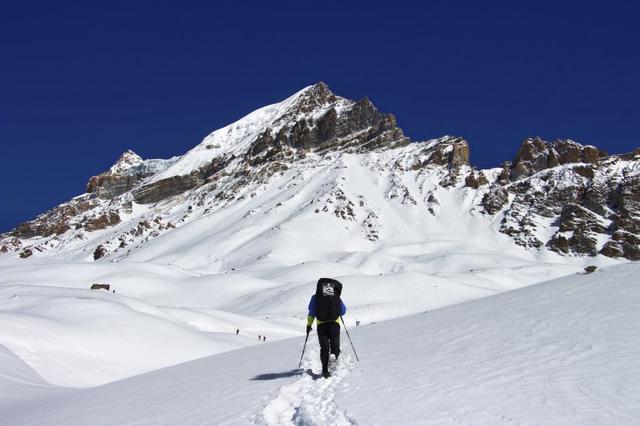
(264, 338)
(327, 307)
(259, 337)
(237, 331)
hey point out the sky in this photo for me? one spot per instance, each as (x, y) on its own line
(82, 82)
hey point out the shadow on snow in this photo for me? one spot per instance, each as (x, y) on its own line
(276, 376)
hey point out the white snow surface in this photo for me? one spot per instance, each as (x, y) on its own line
(188, 271)
(252, 264)
(563, 352)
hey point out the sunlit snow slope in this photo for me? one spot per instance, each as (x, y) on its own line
(232, 236)
(562, 352)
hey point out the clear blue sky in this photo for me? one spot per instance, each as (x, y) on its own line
(80, 83)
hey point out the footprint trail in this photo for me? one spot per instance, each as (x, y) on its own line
(310, 400)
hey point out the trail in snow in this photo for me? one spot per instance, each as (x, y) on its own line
(560, 353)
(310, 400)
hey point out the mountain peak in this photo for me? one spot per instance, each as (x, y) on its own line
(319, 87)
(312, 118)
(314, 96)
(558, 188)
(126, 161)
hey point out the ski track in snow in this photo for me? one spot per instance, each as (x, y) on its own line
(310, 400)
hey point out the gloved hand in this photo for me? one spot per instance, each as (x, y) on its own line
(308, 329)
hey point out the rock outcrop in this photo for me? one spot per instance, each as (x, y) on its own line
(56, 221)
(591, 198)
(536, 154)
(332, 125)
(495, 199)
(122, 177)
(562, 196)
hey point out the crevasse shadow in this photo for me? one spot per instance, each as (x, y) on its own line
(275, 376)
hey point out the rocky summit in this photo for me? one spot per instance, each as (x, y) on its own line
(357, 171)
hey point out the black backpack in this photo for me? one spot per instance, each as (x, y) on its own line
(328, 293)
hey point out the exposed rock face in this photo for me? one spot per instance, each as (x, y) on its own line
(102, 221)
(475, 180)
(495, 199)
(449, 152)
(165, 188)
(99, 252)
(56, 221)
(319, 121)
(119, 179)
(10, 244)
(577, 232)
(110, 186)
(590, 199)
(623, 244)
(536, 155)
(453, 154)
(124, 175)
(561, 196)
(358, 126)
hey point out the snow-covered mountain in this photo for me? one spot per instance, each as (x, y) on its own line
(234, 233)
(348, 170)
(560, 353)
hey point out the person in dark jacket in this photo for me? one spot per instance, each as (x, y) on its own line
(326, 306)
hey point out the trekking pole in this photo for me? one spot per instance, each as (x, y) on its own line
(349, 337)
(303, 348)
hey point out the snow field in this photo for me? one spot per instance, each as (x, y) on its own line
(246, 255)
(162, 315)
(252, 264)
(558, 353)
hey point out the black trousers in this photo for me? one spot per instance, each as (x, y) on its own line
(329, 338)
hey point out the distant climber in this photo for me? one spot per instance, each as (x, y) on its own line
(237, 331)
(264, 338)
(259, 337)
(326, 306)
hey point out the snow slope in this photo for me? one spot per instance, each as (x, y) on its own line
(162, 314)
(249, 263)
(234, 234)
(561, 352)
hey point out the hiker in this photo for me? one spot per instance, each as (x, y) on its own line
(259, 337)
(264, 338)
(327, 307)
(237, 331)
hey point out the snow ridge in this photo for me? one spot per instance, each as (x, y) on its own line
(235, 138)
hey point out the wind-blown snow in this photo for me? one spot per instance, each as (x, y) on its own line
(562, 352)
